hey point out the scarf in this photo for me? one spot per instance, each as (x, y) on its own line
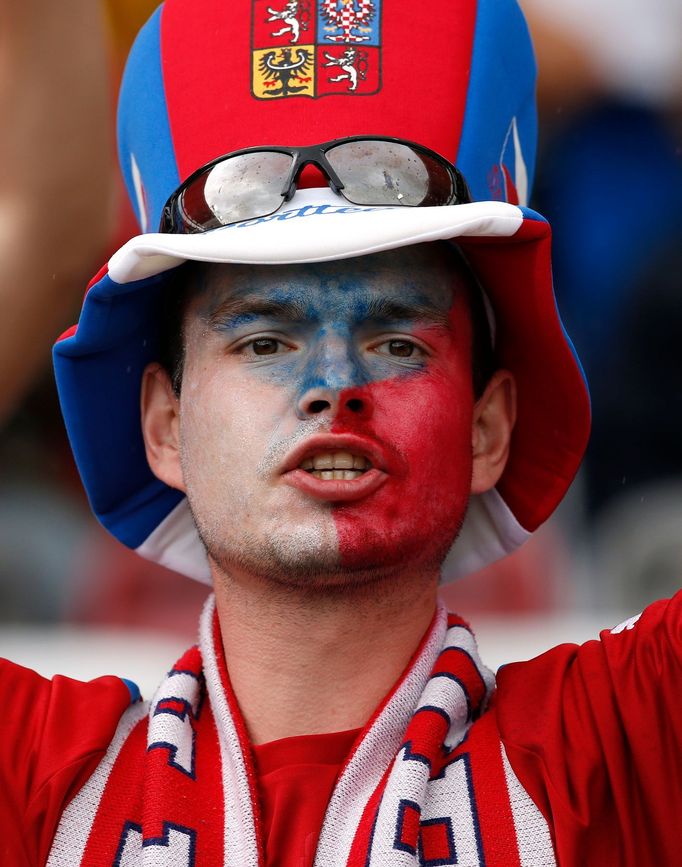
(426, 783)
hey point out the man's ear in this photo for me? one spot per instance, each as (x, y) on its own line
(494, 418)
(160, 414)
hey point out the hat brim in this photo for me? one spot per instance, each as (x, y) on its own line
(99, 364)
(315, 226)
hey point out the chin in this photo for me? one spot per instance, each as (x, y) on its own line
(319, 552)
(296, 555)
(303, 562)
(408, 545)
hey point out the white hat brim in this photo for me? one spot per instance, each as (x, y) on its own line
(316, 225)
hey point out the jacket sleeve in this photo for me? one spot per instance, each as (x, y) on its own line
(594, 733)
(52, 735)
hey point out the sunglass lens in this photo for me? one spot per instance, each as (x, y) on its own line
(238, 188)
(376, 172)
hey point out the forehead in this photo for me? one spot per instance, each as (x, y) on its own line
(426, 276)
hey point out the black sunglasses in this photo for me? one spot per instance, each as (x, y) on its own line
(365, 170)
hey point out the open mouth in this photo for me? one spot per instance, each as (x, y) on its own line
(339, 465)
(337, 468)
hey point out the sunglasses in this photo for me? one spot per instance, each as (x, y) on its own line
(365, 170)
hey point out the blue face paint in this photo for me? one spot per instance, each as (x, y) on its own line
(332, 326)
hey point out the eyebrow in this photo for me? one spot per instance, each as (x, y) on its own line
(392, 310)
(230, 311)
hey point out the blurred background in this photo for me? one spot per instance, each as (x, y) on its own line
(609, 179)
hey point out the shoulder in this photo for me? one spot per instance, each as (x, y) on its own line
(643, 654)
(59, 717)
(52, 735)
(594, 734)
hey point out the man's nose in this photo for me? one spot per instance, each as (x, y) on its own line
(320, 401)
(334, 383)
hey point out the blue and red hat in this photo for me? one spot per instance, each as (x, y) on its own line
(206, 77)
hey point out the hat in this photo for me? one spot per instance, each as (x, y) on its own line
(207, 77)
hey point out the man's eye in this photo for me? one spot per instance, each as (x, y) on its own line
(259, 347)
(265, 346)
(399, 349)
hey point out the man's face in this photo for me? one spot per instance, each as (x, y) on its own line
(326, 414)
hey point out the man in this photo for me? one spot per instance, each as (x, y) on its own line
(333, 412)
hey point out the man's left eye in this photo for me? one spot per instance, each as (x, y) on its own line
(399, 349)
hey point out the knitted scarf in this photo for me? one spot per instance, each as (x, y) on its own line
(426, 783)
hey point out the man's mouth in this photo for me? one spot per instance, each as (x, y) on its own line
(339, 465)
(337, 468)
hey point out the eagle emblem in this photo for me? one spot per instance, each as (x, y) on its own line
(351, 17)
(281, 67)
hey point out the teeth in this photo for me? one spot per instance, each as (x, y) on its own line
(343, 461)
(344, 475)
(336, 463)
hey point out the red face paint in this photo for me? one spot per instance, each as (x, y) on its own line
(423, 420)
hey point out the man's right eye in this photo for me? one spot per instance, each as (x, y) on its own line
(262, 346)
(265, 346)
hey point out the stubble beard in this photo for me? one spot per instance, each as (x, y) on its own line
(307, 561)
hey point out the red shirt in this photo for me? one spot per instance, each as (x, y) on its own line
(296, 777)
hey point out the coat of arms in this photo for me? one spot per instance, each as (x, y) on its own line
(315, 48)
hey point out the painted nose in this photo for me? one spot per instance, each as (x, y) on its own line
(335, 377)
(321, 401)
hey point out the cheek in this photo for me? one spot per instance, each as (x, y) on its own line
(426, 419)
(227, 423)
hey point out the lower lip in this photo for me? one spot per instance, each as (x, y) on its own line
(336, 490)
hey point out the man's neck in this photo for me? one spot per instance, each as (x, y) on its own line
(305, 662)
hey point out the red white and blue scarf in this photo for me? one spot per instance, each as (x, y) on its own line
(426, 783)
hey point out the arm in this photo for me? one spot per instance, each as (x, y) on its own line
(53, 734)
(594, 734)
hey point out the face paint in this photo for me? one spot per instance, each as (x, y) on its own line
(426, 418)
(290, 367)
